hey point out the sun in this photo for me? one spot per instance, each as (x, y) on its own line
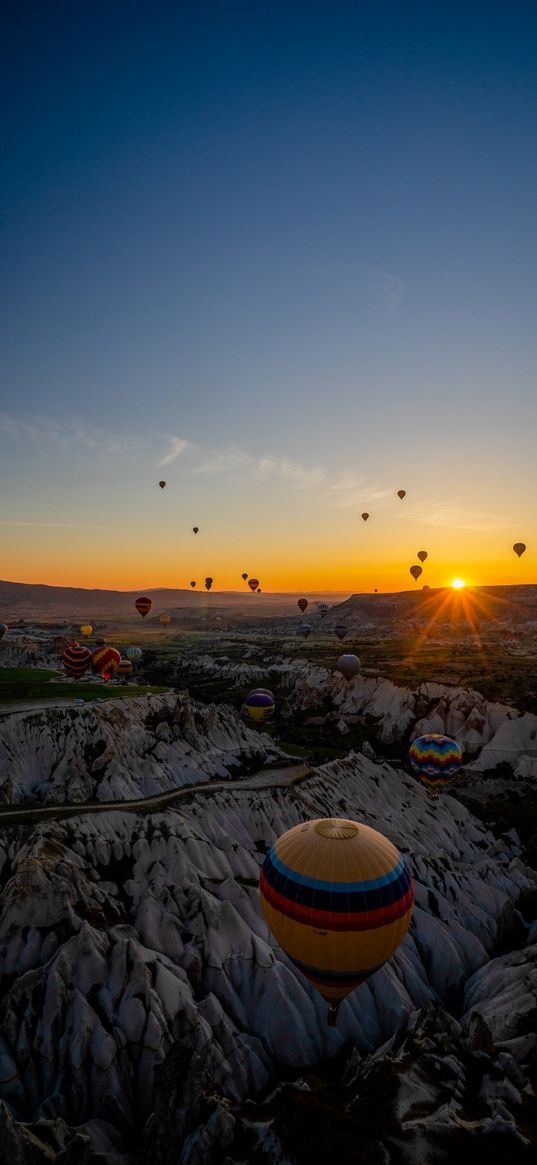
(458, 583)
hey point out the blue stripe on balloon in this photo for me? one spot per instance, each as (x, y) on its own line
(340, 887)
(338, 898)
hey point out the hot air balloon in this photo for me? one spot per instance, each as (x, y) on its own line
(106, 661)
(263, 691)
(338, 897)
(422, 555)
(124, 667)
(3, 630)
(86, 629)
(416, 571)
(341, 630)
(401, 493)
(193, 583)
(162, 484)
(208, 583)
(244, 576)
(76, 659)
(302, 603)
(253, 583)
(305, 629)
(143, 605)
(365, 517)
(436, 759)
(164, 619)
(519, 548)
(323, 608)
(425, 587)
(259, 590)
(258, 706)
(100, 642)
(195, 529)
(134, 654)
(348, 665)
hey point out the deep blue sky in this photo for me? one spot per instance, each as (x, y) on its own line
(301, 230)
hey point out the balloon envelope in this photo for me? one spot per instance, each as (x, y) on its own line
(76, 659)
(436, 759)
(305, 629)
(401, 493)
(348, 665)
(253, 583)
(193, 583)
(208, 583)
(162, 484)
(519, 548)
(134, 653)
(124, 667)
(422, 555)
(86, 629)
(338, 897)
(165, 619)
(302, 603)
(143, 605)
(259, 706)
(106, 661)
(416, 571)
(244, 576)
(195, 529)
(341, 630)
(365, 517)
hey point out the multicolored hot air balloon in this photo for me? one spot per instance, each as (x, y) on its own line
(422, 555)
(124, 667)
(164, 620)
(244, 576)
(302, 603)
(195, 529)
(365, 517)
(106, 661)
(323, 609)
(348, 665)
(208, 583)
(253, 583)
(341, 630)
(143, 605)
(134, 654)
(162, 484)
(259, 706)
(436, 759)
(401, 493)
(76, 660)
(86, 629)
(304, 630)
(519, 548)
(416, 571)
(265, 692)
(338, 898)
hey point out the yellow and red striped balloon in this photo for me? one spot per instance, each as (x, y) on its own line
(106, 661)
(337, 896)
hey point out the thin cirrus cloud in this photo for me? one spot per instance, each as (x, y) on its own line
(47, 430)
(453, 514)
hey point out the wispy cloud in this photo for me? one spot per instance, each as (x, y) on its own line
(223, 461)
(453, 514)
(178, 446)
(44, 430)
(350, 490)
(66, 525)
(298, 476)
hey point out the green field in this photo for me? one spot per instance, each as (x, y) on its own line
(22, 685)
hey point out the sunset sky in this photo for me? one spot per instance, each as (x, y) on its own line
(283, 256)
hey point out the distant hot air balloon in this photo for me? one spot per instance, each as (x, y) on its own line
(305, 629)
(259, 590)
(519, 548)
(341, 630)
(253, 583)
(259, 706)
(323, 609)
(193, 583)
(124, 667)
(86, 629)
(106, 661)
(143, 605)
(76, 660)
(401, 493)
(436, 759)
(348, 665)
(162, 484)
(422, 555)
(3, 630)
(195, 529)
(244, 576)
(100, 642)
(208, 583)
(337, 896)
(416, 571)
(164, 619)
(425, 587)
(365, 517)
(302, 603)
(134, 654)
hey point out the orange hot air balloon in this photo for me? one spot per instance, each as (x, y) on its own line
(365, 517)
(106, 661)
(422, 555)
(165, 619)
(162, 484)
(415, 572)
(519, 548)
(302, 603)
(143, 605)
(401, 493)
(253, 583)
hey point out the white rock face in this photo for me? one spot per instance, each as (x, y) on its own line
(123, 750)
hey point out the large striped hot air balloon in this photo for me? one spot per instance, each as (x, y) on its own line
(143, 605)
(76, 659)
(259, 706)
(436, 759)
(106, 661)
(338, 898)
(302, 603)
